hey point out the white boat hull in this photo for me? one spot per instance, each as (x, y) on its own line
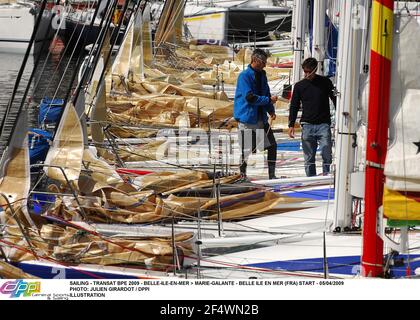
(16, 26)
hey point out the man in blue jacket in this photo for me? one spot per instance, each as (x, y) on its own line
(252, 103)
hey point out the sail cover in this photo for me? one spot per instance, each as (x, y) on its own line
(402, 166)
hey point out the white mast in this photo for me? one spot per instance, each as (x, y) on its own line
(299, 24)
(348, 72)
(318, 43)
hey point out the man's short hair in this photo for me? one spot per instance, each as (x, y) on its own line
(310, 63)
(259, 54)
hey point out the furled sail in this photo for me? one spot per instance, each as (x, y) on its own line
(100, 170)
(136, 61)
(14, 170)
(98, 115)
(96, 97)
(402, 167)
(122, 61)
(93, 85)
(67, 149)
(147, 37)
(129, 62)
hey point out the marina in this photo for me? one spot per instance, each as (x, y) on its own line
(122, 155)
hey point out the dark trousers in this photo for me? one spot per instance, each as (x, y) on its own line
(250, 140)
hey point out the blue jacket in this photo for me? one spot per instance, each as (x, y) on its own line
(243, 110)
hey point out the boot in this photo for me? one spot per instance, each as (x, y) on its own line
(242, 168)
(272, 172)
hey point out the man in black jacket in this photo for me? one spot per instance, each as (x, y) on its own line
(313, 93)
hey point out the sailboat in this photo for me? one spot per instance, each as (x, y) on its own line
(226, 22)
(336, 251)
(76, 170)
(17, 23)
(43, 247)
(311, 242)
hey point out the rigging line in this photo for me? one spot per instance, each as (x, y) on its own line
(37, 182)
(78, 63)
(67, 67)
(111, 142)
(85, 254)
(49, 52)
(137, 264)
(44, 42)
(37, 239)
(63, 54)
(51, 78)
(180, 215)
(99, 39)
(19, 224)
(248, 228)
(159, 161)
(20, 73)
(71, 37)
(101, 28)
(245, 32)
(22, 105)
(284, 19)
(299, 187)
(108, 57)
(80, 58)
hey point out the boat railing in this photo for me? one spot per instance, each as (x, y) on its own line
(22, 229)
(279, 43)
(73, 191)
(275, 46)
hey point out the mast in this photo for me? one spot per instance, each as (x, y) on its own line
(318, 45)
(348, 73)
(299, 24)
(170, 23)
(377, 132)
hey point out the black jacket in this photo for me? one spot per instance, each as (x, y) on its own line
(314, 97)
